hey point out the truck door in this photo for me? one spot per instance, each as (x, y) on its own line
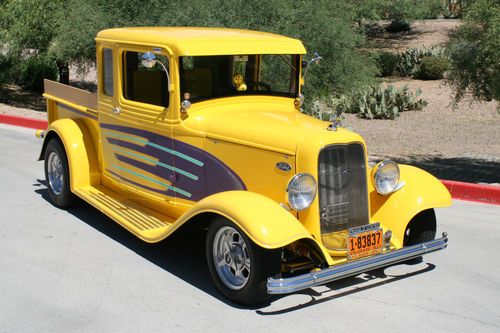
(136, 132)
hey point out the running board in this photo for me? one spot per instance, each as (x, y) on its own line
(308, 280)
(143, 222)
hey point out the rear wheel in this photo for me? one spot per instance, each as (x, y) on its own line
(238, 267)
(57, 175)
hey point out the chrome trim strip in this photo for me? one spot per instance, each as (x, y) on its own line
(308, 280)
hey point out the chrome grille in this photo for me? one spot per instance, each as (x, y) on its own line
(343, 196)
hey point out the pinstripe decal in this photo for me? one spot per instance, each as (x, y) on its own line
(179, 168)
(146, 142)
(166, 166)
(170, 187)
(81, 113)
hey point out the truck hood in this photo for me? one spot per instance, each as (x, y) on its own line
(275, 130)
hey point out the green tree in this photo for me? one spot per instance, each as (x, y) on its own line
(325, 26)
(474, 50)
(28, 29)
(66, 29)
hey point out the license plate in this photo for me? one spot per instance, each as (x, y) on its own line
(364, 244)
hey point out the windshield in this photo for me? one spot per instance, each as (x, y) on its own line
(206, 77)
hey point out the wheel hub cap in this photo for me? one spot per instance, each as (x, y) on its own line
(231, 258)
(55, 173)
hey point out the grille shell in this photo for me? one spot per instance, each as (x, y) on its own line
(342, 192)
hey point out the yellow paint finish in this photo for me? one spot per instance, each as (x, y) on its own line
(77, 141)
(147, 224)
(204, 41)
(266, 223)
(256, 167)
(270, 123)
(421, 191)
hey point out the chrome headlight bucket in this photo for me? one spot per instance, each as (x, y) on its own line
(301, 191)
(386, 177)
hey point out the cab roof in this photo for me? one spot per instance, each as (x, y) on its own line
(193, 41)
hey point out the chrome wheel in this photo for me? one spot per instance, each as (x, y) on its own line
(231, 258)
(55, 173)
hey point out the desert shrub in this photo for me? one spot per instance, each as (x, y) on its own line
(378, 102)
(409, 60)
(34, 69)
(387, 63)
(432, 68)
(429, 9)
(5, 65)
(398, 25)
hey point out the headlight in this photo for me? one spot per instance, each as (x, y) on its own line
(386, 177)
(301, 191)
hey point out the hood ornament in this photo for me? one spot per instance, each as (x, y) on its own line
(336, 119)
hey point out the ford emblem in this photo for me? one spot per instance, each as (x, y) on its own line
(283, 166)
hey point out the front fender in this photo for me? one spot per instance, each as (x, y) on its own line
(421, 191)
(264, 221)
(79, 148)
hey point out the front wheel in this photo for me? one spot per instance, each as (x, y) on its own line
(57, 175)
(238, 267)
(422, 228)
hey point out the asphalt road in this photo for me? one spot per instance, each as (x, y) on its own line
(77, 270)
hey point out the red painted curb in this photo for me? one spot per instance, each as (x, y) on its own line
(473, 192)
(23, 121)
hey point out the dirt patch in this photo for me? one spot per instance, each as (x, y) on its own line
(425, 33)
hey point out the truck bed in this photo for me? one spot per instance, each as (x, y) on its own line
(64, 101)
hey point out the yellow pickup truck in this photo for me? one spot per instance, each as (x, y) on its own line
(202, 126)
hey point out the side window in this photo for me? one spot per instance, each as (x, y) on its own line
(107, 71)
(145, 85)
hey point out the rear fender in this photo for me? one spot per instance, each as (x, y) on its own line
(421, 191)
(79, 148)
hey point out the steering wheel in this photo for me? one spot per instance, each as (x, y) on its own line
(260, 84)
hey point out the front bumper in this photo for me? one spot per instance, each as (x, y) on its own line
(304, 281)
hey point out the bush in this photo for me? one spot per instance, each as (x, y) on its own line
(387, 63)
(5, 65)
(474, 51)
(398, 26)
(33, 70)
(378, 102)
(5, 73)
(432, 68)
(409, 60)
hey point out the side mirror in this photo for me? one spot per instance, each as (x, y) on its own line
(148, 60)
(316, 59)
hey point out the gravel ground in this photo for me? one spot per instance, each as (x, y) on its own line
(22, 112)
(467, 130)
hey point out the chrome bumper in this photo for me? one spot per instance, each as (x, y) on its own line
(304, 281)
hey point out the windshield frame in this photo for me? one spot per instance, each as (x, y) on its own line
(293, 62)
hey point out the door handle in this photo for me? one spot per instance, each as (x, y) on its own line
(116, 110)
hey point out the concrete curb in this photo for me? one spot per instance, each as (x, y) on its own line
(23, 121)
(459, 190)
